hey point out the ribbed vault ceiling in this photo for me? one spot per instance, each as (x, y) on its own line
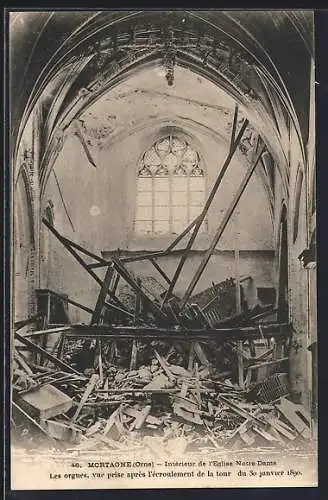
(64, 62)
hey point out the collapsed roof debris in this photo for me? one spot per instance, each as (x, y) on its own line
(151, 367)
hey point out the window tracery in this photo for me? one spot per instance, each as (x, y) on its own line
(170, 188)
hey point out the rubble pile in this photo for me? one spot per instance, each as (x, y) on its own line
(151, 369)
(174, 396)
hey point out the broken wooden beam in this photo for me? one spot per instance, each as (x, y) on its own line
(96, 315)
(45, 331)
(70, 301)
(40, 350)
(279, 330)
(220, 230)
(18, 325)
(91, 385)
(30, 419)
(207, 205)
(68, 245)
(182, 235)
(160, 270)
(134, 352)
(165, 367)
(120, 268)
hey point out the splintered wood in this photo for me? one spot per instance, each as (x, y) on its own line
(198, 404)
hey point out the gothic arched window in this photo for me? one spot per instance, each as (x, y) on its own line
(170, 188)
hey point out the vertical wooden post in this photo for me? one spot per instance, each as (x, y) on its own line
(134, 352)
(191, 357)
(238, 303)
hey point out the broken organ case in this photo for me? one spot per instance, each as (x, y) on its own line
(164, 249)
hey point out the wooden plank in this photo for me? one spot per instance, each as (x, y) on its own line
(100, 260)
(293, 414)
(134, 352)
(141, 418)
(240, 360)
(165, 368)
(23, 363)
(143, 256)
(234, 127)
(205, 210)
(220, 231)
(47, 331)
(268, 363)
(36, 424)
(100, 365)
(281, 330)
(191, 357)
(242, 412)
(137, 304)
(198, 350)
(197, 385)
(91, 385)
(245, 425)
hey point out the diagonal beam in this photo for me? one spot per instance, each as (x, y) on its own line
(96, 315)
(160, 270)
(137, 289)
(79, 135)
(46, 354)
(70, 301)
(220, 230)
(179, 238)
(87, 252)
(205, 209)
(234, 127)
(71, 251)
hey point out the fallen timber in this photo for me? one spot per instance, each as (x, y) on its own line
(185, 364)
(281, 330)
(275, 330)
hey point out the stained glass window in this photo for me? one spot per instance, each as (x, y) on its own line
(170, 188)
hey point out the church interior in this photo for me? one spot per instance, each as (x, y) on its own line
(164, 222)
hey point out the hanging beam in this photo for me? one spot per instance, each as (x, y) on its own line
(220, 230)
(79, 135)
(62, 200)
(205, 210)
